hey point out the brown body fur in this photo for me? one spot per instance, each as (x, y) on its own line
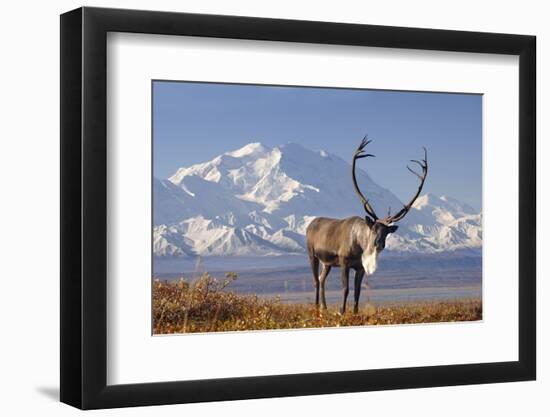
(339, 243)
(332, 242)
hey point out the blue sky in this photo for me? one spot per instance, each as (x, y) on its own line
(194, 122)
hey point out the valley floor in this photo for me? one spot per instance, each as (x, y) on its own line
(209, 305)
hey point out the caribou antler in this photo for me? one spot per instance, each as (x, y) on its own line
(422, 177)
(360, 153)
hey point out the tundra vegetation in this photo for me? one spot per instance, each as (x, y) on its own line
(208, 304)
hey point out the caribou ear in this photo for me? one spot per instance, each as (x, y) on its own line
(369, 221)
(392, 229)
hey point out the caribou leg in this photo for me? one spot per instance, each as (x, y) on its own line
(359, 274)
(322, 279)
(345, 286)
(314, 261)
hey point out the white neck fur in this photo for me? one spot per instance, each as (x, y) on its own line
(369, 259)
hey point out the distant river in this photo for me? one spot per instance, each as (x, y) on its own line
(399, 278)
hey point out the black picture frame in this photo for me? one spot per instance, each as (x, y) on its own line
(84, 207)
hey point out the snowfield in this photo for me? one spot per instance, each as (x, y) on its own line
(259, 200)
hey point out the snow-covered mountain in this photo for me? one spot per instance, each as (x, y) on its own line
(259, 200)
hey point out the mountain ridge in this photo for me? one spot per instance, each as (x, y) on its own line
(258, 200)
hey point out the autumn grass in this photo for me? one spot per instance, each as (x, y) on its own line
(209, 305)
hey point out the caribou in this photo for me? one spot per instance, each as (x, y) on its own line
(354, 242)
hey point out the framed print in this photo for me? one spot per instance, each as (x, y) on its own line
(258, 207)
